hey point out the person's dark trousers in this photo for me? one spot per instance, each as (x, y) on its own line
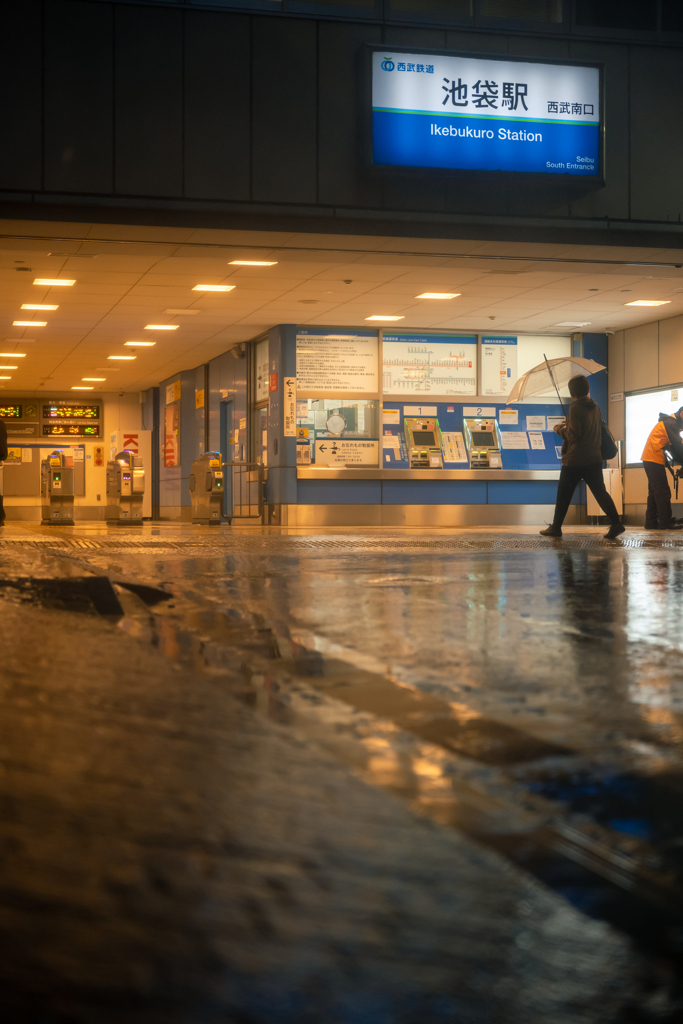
(2, 510)
(658, 496)
(570, 477)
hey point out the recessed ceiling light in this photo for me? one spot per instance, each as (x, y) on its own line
(141, 344)
(253, 263)
(36, 305)
(182, 312)
(9, 367)
(161, 327)
(438, 295)
(29, 323)
(121, 357)
(385, 318)
(54, 282)
(213, 288)
(79, 388)
(5, 378)
(93, 378)
(573, 323)
(648, 302)
(12, 355)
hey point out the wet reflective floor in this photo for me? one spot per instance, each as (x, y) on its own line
(345, 776)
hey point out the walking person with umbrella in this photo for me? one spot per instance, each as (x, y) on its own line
(582, 459)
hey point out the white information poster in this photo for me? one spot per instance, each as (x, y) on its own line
(554, 421)
(535, 423)
(289, 402)
(509, 417)
(537, 441)
(417, 364)
(334, 361)
(498, 365)
(333, 452)
(262, 371)
(514, 439)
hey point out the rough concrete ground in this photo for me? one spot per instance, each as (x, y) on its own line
(170, 853)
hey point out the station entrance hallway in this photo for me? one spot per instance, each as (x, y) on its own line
(260, 775)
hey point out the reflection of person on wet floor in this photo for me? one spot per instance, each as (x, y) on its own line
(665, 435)
(582, 459)
(3, 456)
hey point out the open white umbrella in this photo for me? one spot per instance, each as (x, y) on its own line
(549, 375)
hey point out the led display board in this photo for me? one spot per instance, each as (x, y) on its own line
(68, 412)
(10, 412)
(71, 430)
(454, 111)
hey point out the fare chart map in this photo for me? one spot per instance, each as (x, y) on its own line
(424, 364)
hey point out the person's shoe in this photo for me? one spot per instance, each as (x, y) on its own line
(614, 531)
(673, 526)
(551, 531)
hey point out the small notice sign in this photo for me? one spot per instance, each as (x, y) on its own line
(290, 406)
(537, 441)
(509, 417)
(515, 439)
(340, 452)
(272, 383)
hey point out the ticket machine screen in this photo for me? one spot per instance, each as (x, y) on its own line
(484, 439)
(425, 437)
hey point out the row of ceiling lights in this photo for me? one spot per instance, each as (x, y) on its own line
(49, 282)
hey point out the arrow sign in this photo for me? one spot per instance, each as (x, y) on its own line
(289, 407)
(323, 448)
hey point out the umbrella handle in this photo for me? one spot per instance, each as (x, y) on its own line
(554, 382)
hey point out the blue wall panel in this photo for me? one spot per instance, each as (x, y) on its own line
(522, 492)
(434, 492)
(339, 492)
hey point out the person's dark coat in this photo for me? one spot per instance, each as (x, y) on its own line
(582, 434)
(3, 441)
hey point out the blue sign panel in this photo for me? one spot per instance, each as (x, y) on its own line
(468, 113)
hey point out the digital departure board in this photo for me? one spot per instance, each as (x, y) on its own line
(10, 412)
(71, 412)
(71, 430)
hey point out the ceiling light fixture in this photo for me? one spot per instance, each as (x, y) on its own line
(35, 305)
(573, 323)
(385, 318)
(438, 295)
(162, 327)
(140, 344)
(121, 357)
(79, 388)
(9, 367)
(648, 302)
(5, 378)
(12, 355)
(93, 378)
(29, 323)
(54, 282)
(253, 263)
(213, 288)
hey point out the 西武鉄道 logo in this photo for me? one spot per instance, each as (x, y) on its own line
(388, 64)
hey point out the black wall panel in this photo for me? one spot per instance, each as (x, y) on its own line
(284, 140)
(78, 97)
(20, 108)
(217, 105)
(341, 179)
(148, 118)
(656, 140)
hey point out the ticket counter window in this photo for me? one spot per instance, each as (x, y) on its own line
(343, 431)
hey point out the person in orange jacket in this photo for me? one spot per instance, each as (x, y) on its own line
(665, 435)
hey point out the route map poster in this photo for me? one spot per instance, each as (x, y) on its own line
(414, 364)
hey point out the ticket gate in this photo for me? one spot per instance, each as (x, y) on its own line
(206, 489)
(125, 490)
(424, 442)
(482, 440)
(57, 490)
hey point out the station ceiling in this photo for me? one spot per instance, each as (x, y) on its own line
(129, 277)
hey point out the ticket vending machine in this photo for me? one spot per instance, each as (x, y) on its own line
(125, 490)
(57, 489)
(482, 440)
(424, 442)
(206, 489)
